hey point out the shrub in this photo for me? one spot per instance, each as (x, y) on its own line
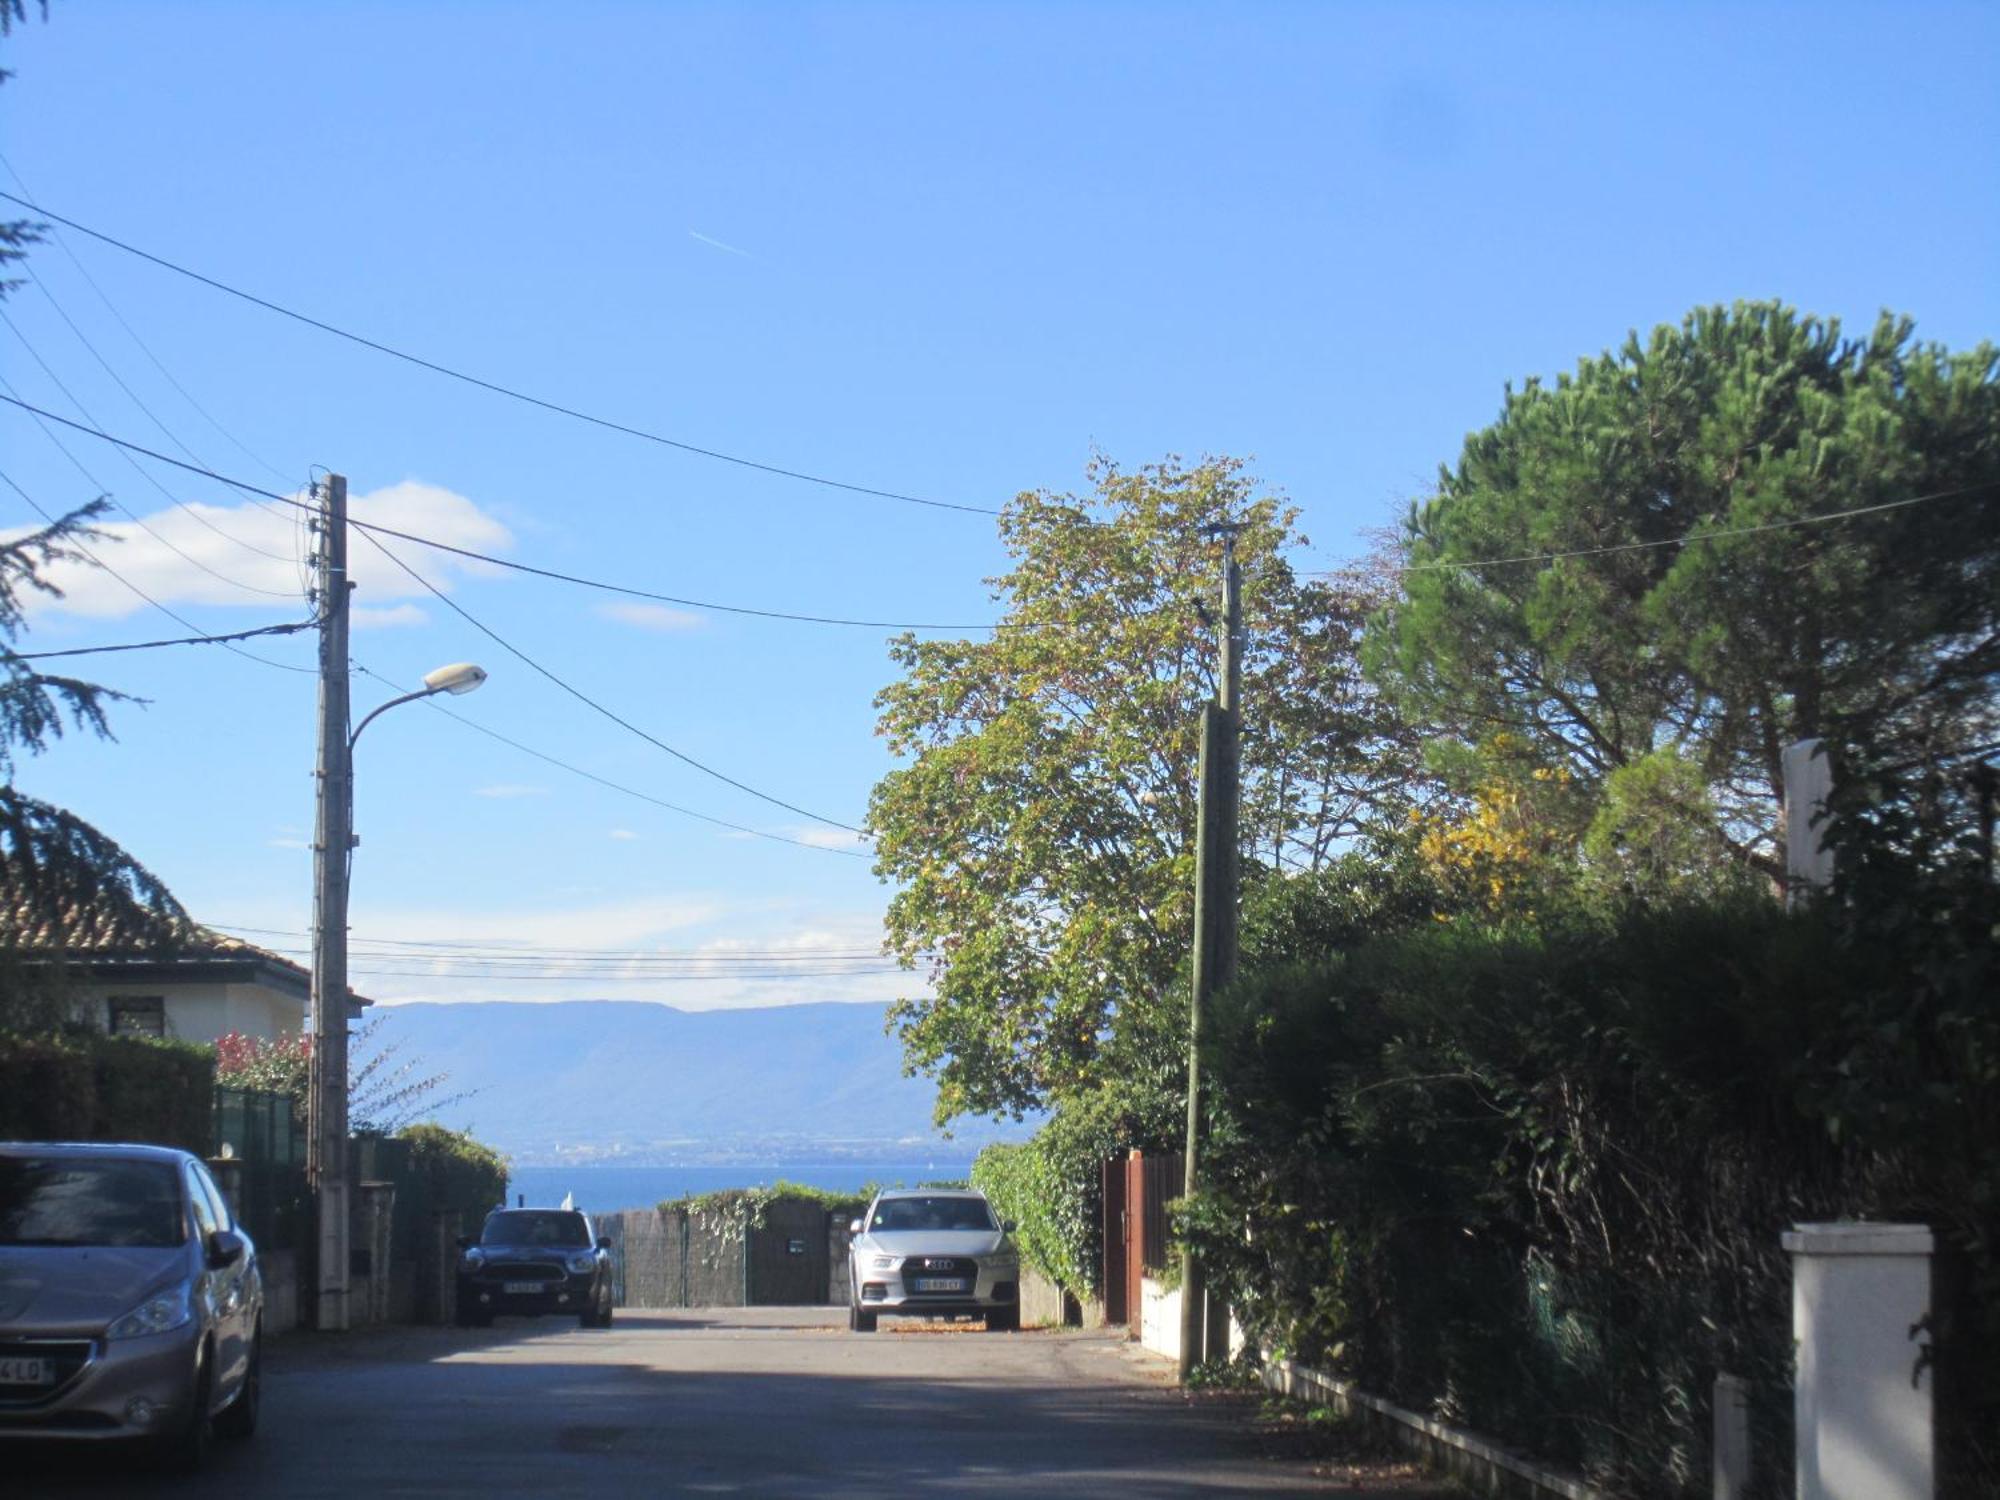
(86, 1087)
(1532, 1177)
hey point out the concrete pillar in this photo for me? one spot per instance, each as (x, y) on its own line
(1731, 1446)
(1861, 1299)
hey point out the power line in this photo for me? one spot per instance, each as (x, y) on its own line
(187, 640)
(606, 782)
(111, 307)
(178, 619)
(589, 702)
(488, 385)
(151, 416)
(106, 490)
(499, 562)
(547, 951)
(1544, 558)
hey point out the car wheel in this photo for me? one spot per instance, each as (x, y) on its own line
(859, 1321)
(238, 1419)
(1006, 1320)
(185, 1451)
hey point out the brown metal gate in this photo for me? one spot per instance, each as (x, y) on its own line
(1142, 1187)
(789, 1256)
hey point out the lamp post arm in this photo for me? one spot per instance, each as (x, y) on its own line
(377, 712)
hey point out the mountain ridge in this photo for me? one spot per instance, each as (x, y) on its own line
(632, 1082)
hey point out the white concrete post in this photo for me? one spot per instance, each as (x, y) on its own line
(1731, 1419)
(1861, 1300)
(1808, 784)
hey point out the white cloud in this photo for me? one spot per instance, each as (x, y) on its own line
(822, 837)
(724, 953)
(364, 618)
(651, 616)
(288, 843)
(507, 789)
(623, 834)
(254, 556)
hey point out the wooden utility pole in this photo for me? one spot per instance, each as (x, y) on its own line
(326, 1145)
(1215, 902)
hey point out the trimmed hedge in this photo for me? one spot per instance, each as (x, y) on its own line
(1531, 1178)
(85, 1087)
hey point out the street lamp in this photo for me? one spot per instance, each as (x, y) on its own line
(332, 861)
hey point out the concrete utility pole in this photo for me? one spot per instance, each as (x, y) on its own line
(333, 843)
(1215, 901)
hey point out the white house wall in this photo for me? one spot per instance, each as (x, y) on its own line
(203, 1012)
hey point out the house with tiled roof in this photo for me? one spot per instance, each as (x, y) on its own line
(181, 981)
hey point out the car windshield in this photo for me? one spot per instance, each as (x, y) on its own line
(932, 1213)
(64, 1201)
(537, 1227)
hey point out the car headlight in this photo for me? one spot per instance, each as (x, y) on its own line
(583, 1262)
(160, 1313)
(882, 1263)
(471, 1261)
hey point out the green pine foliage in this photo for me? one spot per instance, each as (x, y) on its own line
(1639, 558)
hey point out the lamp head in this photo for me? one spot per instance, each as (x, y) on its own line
(459, 677)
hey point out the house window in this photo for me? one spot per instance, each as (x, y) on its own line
(138, 1015)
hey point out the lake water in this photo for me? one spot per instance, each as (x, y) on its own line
(603, 1189)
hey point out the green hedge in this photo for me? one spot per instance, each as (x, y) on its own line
(1531, 1179)
(84, 1087)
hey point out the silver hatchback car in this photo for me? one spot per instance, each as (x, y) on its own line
(131, 1304)
(933, 1253)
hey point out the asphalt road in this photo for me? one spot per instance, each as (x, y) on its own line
(732, 1401)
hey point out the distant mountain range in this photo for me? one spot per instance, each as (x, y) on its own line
(633, 1083)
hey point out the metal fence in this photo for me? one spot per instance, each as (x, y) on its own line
(263, 1131)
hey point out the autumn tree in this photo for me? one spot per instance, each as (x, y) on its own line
(1040, 832)
(1743, 531)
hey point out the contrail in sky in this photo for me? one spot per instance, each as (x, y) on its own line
(708, 240)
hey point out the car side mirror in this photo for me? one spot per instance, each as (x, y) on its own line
(603, 1242)
(1008, 1226)
(854, 1226)
(465, 1242)
(225, 1248)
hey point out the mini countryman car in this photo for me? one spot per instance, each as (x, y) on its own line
(131, 1302)
(932, 1253)
(533, 1261)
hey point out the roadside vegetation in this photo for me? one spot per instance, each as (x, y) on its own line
(1528, 1063)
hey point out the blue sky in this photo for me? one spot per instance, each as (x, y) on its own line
(949, 251)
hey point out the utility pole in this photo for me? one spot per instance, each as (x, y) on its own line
(333, 843)
(1215, 902)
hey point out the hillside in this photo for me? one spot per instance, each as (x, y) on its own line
(635, 1082)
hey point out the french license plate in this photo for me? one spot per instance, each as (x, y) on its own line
(27, 1372)
(940, 1284)
(520, 1288)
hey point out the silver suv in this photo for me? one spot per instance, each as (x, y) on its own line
(932, 1253)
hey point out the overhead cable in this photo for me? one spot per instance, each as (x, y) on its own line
(179, 619)
(606, 782)
(484, 557)
(489, 385)
(186, 640)
(589, 702)
(111, 307)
